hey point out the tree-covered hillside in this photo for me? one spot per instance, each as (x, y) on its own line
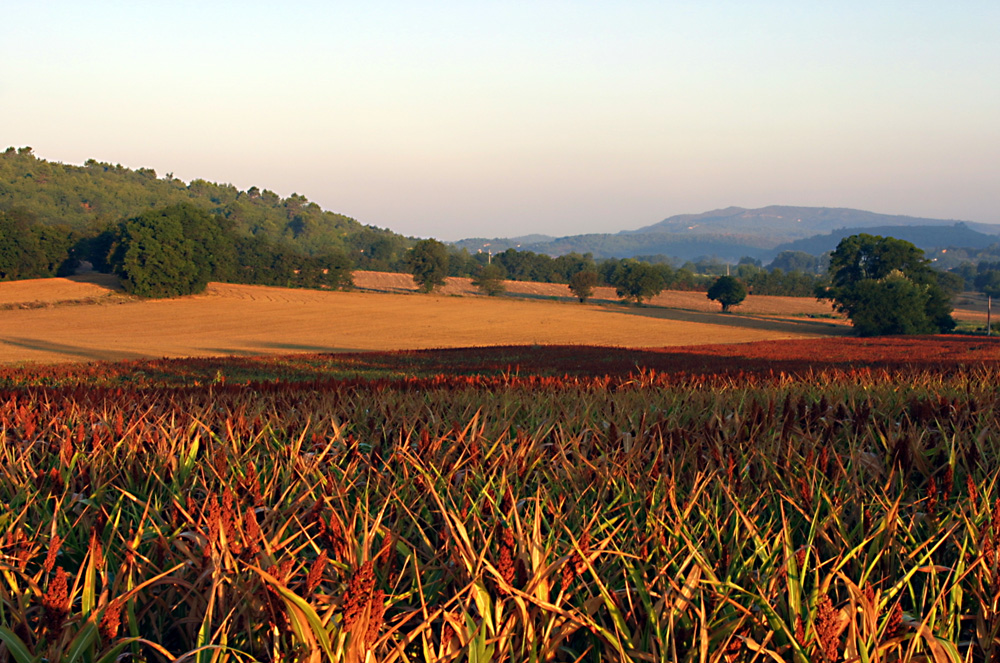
(91, 198)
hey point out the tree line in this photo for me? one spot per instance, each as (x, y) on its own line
(29, 250)
(179, 249)
(798, 278)
(884, 285)
(430, 262)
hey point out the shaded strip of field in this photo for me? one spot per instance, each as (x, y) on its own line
(805, 326)
(70, 352)
(767, 359)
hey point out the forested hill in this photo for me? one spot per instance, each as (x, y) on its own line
(89, 198)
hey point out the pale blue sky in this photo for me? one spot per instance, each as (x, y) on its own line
(457, 119)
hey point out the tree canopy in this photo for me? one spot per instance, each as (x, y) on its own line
(28, 250)
(728, 291)
(987, 278)
(428, 261)
(796, 261)
(490, 279)
(170, 252)
(177, 250)
(887, 286)
(636, 281)
(582, 284)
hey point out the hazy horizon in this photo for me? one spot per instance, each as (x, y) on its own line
(458, 120)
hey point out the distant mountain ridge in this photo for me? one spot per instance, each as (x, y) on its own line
(926, 237)
(734, 232)
(788, 221)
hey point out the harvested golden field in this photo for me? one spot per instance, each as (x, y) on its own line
(36, 293)
(239, 319)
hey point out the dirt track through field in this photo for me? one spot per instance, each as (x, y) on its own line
(237, 319)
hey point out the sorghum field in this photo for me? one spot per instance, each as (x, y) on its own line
(824, 500)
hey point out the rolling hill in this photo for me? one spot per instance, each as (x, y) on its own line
(90, 198)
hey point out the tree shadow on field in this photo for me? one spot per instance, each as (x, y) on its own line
(744, 321)
(70, 352)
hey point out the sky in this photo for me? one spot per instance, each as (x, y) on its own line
(498, 119)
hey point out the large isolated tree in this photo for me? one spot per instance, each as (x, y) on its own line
(428, 262)
(582, 284)
(886, 286)
(728, 291)
(636, 281)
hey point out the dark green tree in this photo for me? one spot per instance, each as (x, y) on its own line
(490, 279)
(728, 291)
(636, 281)
(29, 249)
(170, 252)
(582, 284)
(568, 265)
(952, 284)
(336, 269)
(21, 257)
(55, 244)
(891, 305)
(777, 282)
(746, 271)
(988, 282)
(428, 262)
(877, 281)
(795, 261)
